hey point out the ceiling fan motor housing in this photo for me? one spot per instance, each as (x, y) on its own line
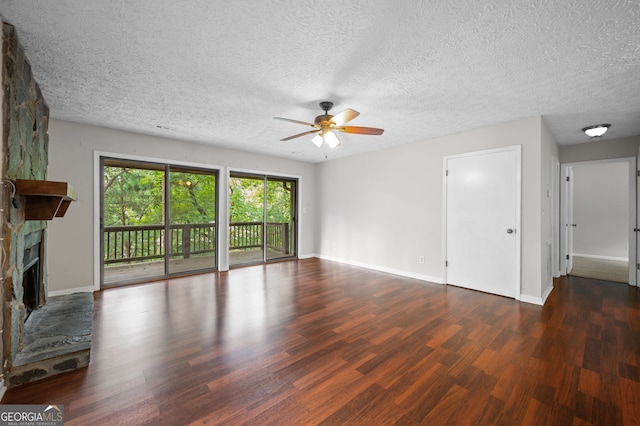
(323, 119)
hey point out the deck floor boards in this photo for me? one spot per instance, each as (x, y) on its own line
(143, 271)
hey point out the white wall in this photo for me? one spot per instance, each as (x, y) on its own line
(384, 209)
(601, 209)
(600, 150)
(71, 159)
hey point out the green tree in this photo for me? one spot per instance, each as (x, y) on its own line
(134, 196)
(246, 200)
(247, 196)
(131, 196)
(193, 197)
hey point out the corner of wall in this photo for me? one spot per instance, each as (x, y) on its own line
(549, 242)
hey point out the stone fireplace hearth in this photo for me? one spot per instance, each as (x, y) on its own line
(57, 338)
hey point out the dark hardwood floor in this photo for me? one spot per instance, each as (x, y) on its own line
(316, 342)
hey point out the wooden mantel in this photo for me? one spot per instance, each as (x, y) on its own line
(45, 199)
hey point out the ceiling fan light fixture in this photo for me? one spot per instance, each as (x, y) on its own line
(596, 130)
(317, 140)
(326, 125)
(332, 139)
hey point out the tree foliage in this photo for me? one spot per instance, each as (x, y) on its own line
(135, 196)
(193, 198)
(132, 196)
(247, 199)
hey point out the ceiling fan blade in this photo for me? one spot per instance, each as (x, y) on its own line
(295, 121)
(342, 117)
(300, 134)
(359, 130)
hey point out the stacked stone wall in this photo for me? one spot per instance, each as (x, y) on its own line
(25, 147)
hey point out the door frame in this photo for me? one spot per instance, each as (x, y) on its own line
(567, 222)
(555, 232)
(518, 209)
(633, 211)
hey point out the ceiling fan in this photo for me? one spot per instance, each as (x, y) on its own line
(326, 125)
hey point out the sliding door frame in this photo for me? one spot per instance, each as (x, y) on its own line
(265, 176)
(98, 156)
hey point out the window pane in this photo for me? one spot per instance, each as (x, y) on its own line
(193, 221)
(133, 217)
(246, 216)
(280, 218)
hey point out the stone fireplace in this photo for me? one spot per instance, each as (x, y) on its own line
(41, 335)
(24, 149)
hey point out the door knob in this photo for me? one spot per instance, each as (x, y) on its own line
(510, 231)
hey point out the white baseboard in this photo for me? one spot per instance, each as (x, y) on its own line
(421, 277)
(537, 300)
(88, 289)
(531, 299)
(595, 256)
(307, 256)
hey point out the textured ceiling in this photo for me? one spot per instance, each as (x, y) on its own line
(216, 72)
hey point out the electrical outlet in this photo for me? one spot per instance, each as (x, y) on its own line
(421, 259)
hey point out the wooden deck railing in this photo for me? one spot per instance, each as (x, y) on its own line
(125, 244)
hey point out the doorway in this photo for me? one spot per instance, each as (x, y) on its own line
(482, 214)
(599, 216)
(156, 220)
(262, 218)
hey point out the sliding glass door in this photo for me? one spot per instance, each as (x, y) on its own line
(262, 211)
(157, 220)
(192, 213)
(280, 218)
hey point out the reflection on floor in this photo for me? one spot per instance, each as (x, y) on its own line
(600, 269)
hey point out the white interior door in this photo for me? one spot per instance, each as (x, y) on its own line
(482, 221)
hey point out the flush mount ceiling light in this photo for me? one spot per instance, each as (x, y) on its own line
(326, 126)
(596, 130)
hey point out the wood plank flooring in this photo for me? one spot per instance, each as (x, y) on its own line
(314, 342)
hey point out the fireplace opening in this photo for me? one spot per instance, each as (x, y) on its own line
(31, 279)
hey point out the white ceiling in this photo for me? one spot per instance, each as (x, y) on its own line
(216, 72)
